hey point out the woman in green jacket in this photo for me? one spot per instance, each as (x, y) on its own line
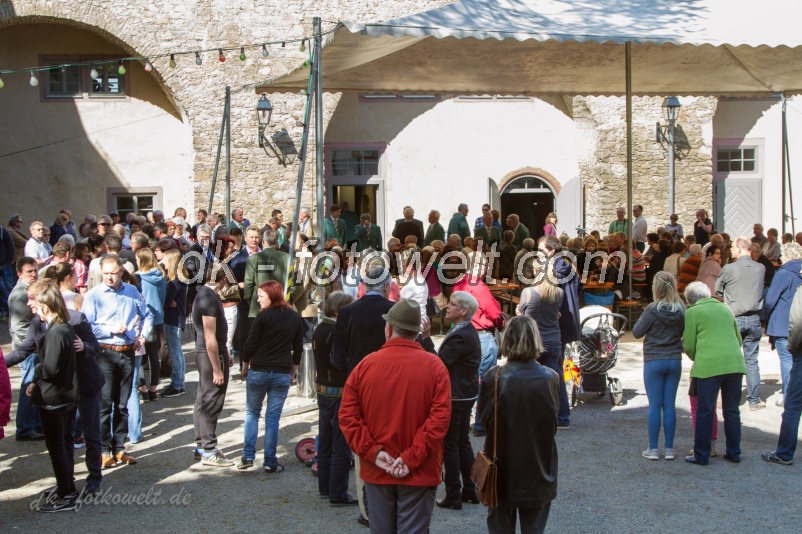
(712, 340)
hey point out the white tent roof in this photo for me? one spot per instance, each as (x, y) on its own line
(562, 47)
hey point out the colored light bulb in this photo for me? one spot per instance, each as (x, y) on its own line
(198, 60)
(2, 83)
(172, 61)
(148, 66)
(242, 53)
(121, 68)
(265, 52)
(221, 57)
(303, 46)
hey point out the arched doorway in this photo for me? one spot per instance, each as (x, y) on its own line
(531, 198)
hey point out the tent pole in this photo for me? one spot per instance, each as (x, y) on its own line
(299, 187)
(790, 184)
(219, 147)
(629, 161)
(321, 196)
(227, 119)
(784, 143)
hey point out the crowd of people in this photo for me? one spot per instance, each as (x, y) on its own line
(96, 313)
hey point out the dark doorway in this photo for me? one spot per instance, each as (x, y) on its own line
(531, 200)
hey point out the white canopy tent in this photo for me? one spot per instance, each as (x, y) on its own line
(565, 47)
(562, 47)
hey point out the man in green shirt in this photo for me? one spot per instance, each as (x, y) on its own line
(620, 223)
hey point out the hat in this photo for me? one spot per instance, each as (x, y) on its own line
(113, 212)
(404, 314)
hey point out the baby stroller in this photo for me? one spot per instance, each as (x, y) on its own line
(588, 360)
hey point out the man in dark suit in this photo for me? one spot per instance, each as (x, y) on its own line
(488, 233)
(461, 352)
(359, 332)
(408, 226)
(351, 220)
(435, 232)
(90, 379)
(368, 236)
(268, 264)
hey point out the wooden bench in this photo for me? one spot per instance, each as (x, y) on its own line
(630, 308)
(510, 300)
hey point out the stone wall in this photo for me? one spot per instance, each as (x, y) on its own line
(602, 123)
(149, 29)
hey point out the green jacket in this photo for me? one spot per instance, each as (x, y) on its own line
(494, 238)
(521, 233)
(459, 225)
(712, 340)
(332, 232)
(269, 264)
(436, 232)
(366, 239)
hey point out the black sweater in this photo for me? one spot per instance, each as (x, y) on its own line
(322, 342)
(57, 375)
(275, 340)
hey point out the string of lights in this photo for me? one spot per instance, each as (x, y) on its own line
(303, 43)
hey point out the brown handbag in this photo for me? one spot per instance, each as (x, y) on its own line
(484, 471)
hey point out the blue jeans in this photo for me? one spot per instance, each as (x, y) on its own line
(172, 334)
(257, 385)
(789, 430)
(786, 361)
(28, 421)
(134, 410)
(489, 359)
(661, 378)
(333, 454)
(553, 359)
(749, 325)
(707, 392)
(6, 285)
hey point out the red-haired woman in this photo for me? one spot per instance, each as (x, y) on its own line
(270, 358)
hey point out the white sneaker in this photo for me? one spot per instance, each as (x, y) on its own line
(669, 454)
(651, 454)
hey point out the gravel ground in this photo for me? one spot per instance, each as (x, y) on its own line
(604, 483)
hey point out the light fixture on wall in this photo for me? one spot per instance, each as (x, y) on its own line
(671, 106)
(264, 110)
(34, 81)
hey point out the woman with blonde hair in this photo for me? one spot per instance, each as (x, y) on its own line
(662, 323)
(153, 287)
(551, 224)
(175, 317)
(55, 390)
(542, 303)
(66, 277)
(527, 483)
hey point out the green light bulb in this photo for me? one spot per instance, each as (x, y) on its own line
(172, 61)
(242, 54)
(121, 69)
(2, 83)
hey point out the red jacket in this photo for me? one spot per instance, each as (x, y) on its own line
(5, 395)
(398, 399)
(489, 314)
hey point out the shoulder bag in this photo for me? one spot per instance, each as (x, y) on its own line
(484, 472)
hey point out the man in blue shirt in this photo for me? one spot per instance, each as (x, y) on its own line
(121, 323)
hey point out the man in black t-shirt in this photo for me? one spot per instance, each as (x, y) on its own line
(212, 361)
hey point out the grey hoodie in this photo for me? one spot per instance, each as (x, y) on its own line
(663, 328)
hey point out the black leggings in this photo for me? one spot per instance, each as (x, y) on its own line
(152, 354)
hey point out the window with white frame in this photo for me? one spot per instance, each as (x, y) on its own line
(136, 203)
(736, 159)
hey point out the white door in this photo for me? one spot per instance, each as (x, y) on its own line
(737, 205)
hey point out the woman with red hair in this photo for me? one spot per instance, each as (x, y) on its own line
(270, 358)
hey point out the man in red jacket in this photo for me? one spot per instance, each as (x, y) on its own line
(395, 413)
